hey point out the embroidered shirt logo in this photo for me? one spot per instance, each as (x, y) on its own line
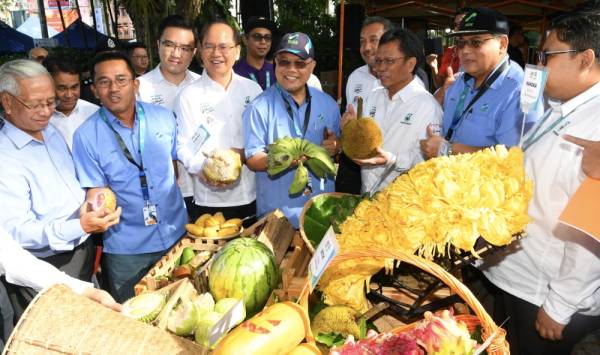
(372, 111)
(358, 89)
(407, 118)
(485, 107)
(247, 100)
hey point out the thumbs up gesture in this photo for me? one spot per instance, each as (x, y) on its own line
(349, 115)
(330, 142)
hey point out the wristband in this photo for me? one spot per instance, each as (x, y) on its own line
(445, 149)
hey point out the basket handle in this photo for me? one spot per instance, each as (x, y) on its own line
(487, 323)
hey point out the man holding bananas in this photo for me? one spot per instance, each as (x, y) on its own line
(290, 109)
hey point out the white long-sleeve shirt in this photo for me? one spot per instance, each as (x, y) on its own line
(205, 105)
(555, 266)
(403, 120)
(67, 125)
(23, 269)
(360, 83)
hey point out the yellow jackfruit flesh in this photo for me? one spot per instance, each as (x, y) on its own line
(360, 138)
(336, 319)
(222, 166)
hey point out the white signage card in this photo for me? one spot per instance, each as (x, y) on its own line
(328, 248)
(534, 81)
(233, 317)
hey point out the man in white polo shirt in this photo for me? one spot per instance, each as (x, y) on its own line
(213, 105)
(402, 108)
(71, 111)
(176, 48)
(363, 80)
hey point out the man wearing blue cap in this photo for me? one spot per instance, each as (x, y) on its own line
(482, 107)
(289, 108)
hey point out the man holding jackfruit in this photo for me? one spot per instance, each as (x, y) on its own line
(289, 108)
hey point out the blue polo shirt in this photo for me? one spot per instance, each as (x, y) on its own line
(496, 116)
(266, 119)
(100, 162)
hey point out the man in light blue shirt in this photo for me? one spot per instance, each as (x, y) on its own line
(129, 147)
(39, 190)
(289, 108)
(482, 107)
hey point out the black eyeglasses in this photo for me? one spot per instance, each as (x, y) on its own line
(37, 107)
(473, 43)
(298, 64)
(543, 55)
(258, 37)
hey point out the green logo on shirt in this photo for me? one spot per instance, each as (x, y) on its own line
(484, 107)
(407, 118)
(247, 100)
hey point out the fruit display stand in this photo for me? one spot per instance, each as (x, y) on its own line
(58, 321)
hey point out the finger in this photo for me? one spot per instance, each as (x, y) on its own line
(350, 109)
(329, 133)
(450, 72)
(430, 132)
(584, 143)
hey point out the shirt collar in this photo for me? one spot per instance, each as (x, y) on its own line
(21, 138)
(286, 95)
(59, 114)
(209, 81)
(467, 77)
(580, 99)
(158, 77)
(115, 121)
(406, 92)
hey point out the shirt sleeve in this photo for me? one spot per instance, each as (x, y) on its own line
(21, 221)
(577, 281)
(255, 131)
(23, 269)
(186, 128)
(89, 171)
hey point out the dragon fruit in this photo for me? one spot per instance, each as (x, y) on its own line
(443, 335)
(380, 344)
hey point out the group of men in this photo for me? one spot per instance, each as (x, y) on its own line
(149, 141)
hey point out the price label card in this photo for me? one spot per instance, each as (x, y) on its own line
(230, 319)
(328, 248)
(534, 81)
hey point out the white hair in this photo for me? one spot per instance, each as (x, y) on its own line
(15, 70)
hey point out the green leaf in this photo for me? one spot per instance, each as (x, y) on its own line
(362, 326)
(330, 339)
(327, 211)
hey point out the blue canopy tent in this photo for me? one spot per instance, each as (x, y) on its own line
(13, 40)
(76, 40)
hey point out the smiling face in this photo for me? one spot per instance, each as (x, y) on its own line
(67, 91)
(292, 72)
(115, 86)
(33, 91)
(258, 42)
(176, 50)
(369, 40)
(219, 51)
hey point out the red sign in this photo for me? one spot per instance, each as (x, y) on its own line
(64, 4)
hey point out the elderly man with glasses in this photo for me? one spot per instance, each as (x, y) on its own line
(130, 147)
(44, 203)
(482, 106)
(289, 108)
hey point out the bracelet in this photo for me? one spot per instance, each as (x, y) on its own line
(445, 149)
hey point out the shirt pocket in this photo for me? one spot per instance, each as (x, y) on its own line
(479, 129)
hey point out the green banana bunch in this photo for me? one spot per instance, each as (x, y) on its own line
(300, 180)
(319, 161)
(278, 162)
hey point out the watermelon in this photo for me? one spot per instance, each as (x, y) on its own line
(244, 268)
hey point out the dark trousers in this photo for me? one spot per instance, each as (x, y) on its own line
(6, 315)
(521, 333)
(242, 211)
(348, 178)
(189, 205)
(122, 271)
(77, 263)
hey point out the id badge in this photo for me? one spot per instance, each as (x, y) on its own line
(199, 138)
(150, 215)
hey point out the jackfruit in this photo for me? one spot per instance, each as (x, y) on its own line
(361, 137)
(144, 307)
(105, 198)
(222, 166)
(336, 319)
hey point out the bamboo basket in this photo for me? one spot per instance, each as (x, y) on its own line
(499, 345)
(58, 321)
(303, 213)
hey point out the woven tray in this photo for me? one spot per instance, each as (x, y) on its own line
(499, 344)
(58, 321)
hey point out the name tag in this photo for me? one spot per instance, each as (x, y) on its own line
(199, 139)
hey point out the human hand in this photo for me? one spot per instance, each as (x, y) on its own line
(450, 79)
(590, 159)
(349, 115)
(431, 146)
(97, 221)
(431, 60)
(547, 327)
(381, 158)
(330, 142)
(102, 297)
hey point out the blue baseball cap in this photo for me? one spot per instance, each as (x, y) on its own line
(297, 43)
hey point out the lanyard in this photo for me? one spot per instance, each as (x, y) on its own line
(142, 129)
(459, 113)
(267, 79)
(288, 108)
(534, 136)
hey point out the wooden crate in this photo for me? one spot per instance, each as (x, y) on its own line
(294, 270)
(274, 230)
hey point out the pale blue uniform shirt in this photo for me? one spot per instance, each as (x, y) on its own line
(495, 118)
(266, 119)
(100, 162)
(39, 191)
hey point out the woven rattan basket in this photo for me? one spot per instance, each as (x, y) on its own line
(58, 321)
(499, 345)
